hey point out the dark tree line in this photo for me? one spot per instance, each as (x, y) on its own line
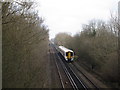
(24, 37)
(96, 46)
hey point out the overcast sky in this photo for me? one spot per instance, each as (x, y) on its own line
(69, 15)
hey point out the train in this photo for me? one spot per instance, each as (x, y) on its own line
(66, 53)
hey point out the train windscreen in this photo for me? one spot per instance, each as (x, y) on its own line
(69, 54)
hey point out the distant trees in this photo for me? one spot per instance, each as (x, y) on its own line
(24, 37)
(97, 46)
(63, 39)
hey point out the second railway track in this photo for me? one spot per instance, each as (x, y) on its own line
(75, 77)
(90, 83)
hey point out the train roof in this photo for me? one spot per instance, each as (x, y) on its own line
(65, 49)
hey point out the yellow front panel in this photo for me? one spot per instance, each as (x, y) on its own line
(69, 56)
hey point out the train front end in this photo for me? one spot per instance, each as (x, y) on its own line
(69, 56)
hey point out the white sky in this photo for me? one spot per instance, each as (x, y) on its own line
(69, 15)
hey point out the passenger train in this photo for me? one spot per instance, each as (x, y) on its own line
(67, 53)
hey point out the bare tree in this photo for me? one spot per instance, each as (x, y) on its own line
(24, 37)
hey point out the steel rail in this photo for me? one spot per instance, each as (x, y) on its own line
(59, 74)
(81, 73)
(77, 77)
(85, 76)
(71, 76)
(68, 74)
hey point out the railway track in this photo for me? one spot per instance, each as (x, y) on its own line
(91, 84)
(61, 79)
(56, 77)
(76, 77)
(75, 81)
(65, 83)
(73, 78)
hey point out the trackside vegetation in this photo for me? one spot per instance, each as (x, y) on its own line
(96, 46)
(24, 37)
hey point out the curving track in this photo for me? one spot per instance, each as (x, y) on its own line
(69, 74)
(65, 83)
(73, 78)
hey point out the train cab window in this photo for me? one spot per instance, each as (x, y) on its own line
(71, 54)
